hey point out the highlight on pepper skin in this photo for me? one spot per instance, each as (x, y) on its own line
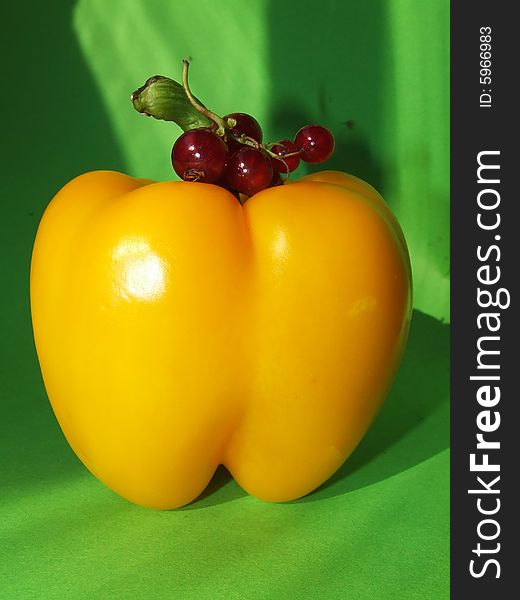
(143, 273)
(177, 329)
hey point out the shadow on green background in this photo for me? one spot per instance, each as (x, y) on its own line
(413, 424)
(328, 66)
(54, 128)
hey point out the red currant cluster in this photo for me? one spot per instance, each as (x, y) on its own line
(239, 161)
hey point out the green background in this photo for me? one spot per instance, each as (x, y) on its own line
(379, 529)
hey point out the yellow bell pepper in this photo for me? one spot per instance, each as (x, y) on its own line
(177, 329)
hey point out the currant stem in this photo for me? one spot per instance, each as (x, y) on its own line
(221, 131)
(246, 140)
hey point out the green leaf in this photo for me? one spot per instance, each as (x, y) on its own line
(165, 99)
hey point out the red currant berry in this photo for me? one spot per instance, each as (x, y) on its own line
(245, 125)
(287, 165)
(315, 142)
(277, 180)
(249, 171)
(199, 155)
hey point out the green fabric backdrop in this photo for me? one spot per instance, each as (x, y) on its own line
(380, 528)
